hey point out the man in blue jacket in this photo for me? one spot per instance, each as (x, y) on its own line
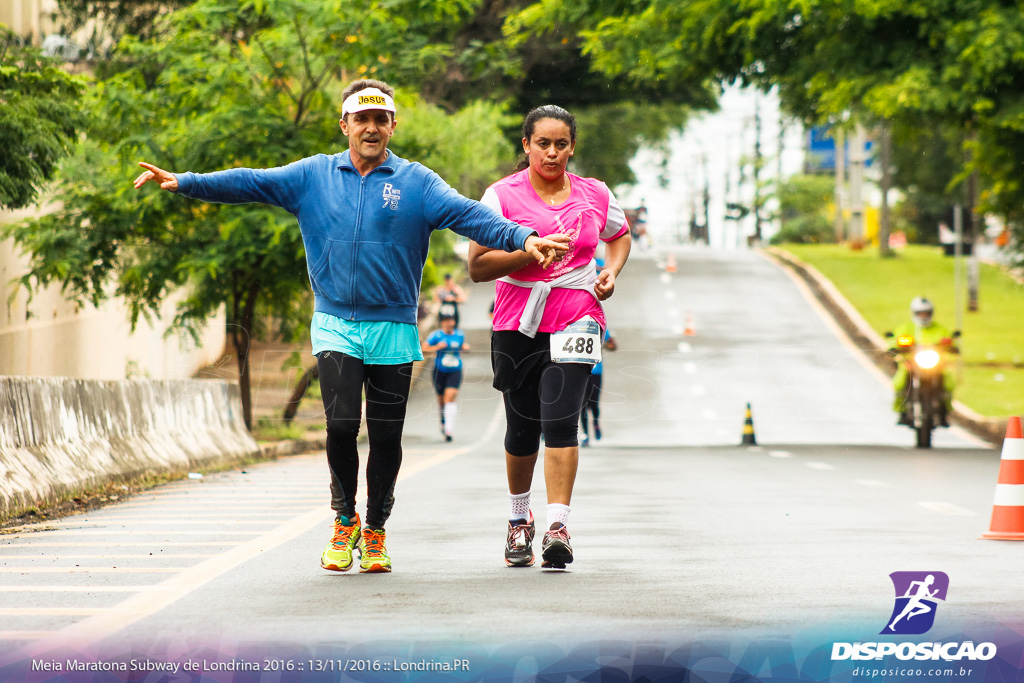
(366, 216)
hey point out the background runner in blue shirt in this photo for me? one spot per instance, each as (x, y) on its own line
(449, 343)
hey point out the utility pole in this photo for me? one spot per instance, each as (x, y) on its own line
(975, 228)
(857, 187)
(885, 161)
(757, 170)
(707, 201)
(839, 136)
(778, 171)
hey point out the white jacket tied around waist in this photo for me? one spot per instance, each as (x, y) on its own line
(584, 277)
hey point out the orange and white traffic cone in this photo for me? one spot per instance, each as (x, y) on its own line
(1008, 510)
(690, 330)
(670, 263)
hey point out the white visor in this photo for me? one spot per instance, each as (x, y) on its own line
(370, 98)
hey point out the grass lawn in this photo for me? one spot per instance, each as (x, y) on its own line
(990, 378)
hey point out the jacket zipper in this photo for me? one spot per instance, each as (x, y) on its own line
(355, 254)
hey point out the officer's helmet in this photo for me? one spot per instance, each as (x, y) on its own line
(921, 309)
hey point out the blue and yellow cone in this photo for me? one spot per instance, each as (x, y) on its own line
(748, 430)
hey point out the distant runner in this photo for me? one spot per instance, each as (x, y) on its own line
(592, 397)
(449, 343)
(449, 295)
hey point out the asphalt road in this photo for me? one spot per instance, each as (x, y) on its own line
(679, 532)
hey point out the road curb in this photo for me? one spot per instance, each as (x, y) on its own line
(861, 334)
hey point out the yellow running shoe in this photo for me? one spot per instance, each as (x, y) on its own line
(347, 538)
(375, 555)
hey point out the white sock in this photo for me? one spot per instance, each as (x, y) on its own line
(450, 411)
(558, 514)
(519, 506)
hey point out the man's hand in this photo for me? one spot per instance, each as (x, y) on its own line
(605, 286)
(546, 249)
(165, 180)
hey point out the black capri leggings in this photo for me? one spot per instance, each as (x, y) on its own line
(540, 396)
(342, 378)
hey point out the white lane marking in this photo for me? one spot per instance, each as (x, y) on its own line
(143, 506)
(947, 509)
(239, 488)
(823, 466)
(55, 611)
(780, 454)
(116, 544)
(25, 635)
(137, 607)
(872, 482)
(97, 570)
(65, 531)
(76, 556)
(74, 589)
(183, 521)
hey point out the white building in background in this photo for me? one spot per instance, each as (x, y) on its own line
(711, 150)
(52, 336)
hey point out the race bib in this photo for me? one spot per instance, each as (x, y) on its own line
(450, 360)
(580, 342)
(447, 309)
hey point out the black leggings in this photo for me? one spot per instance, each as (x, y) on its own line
(342, 378)
(592, 401)
(540, 396)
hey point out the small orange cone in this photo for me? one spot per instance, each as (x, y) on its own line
(670, 264)
(748, 430)
(1008, 510)
(690, 330)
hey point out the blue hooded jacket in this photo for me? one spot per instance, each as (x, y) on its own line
(366, 237)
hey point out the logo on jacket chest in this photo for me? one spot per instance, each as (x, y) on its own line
(391, 195)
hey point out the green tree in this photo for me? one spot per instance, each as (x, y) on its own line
(804, 202)
(40, 119)
(226, 84)
(947, 64)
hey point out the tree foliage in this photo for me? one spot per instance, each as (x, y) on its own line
(951, 65)
(40, 119)
(804, 202)
(226, 84)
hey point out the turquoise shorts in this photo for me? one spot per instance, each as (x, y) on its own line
(374, 343)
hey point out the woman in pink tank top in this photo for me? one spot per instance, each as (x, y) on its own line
(548, 324)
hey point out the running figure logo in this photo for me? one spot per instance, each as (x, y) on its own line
(916, 596)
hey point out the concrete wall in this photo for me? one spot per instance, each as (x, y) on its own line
(52, 336)
(28, 17)
(61, 436)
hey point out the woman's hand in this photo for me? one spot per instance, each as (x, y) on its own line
(605, 286)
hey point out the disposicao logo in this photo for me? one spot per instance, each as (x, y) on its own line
(917, 597)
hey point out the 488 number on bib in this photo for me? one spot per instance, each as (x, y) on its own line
(580, 342)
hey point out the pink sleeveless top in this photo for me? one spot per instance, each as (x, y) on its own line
(589, 214)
